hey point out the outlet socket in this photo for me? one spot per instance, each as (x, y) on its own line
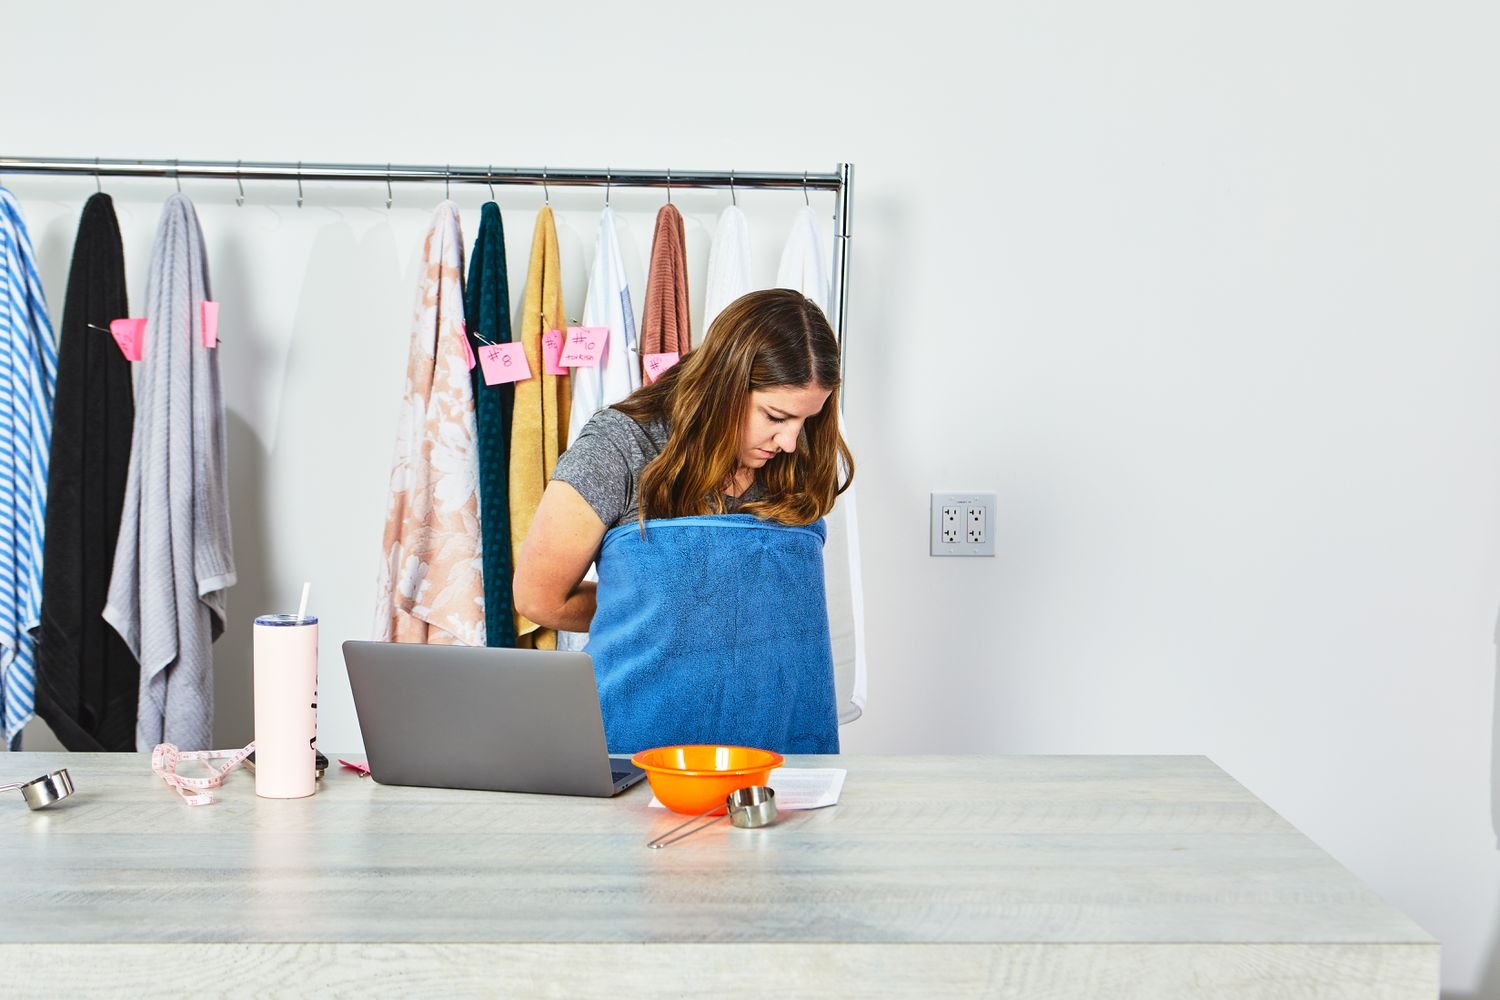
(963, 524)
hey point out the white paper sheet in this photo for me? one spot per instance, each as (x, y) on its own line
(801, 787)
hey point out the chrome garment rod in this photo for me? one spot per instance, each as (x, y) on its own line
(837, 181)
(488, 174)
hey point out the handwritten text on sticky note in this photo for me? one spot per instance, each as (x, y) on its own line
(552, 348)
(130, 334)
(585, 346)
(503, 363)
(655, 364)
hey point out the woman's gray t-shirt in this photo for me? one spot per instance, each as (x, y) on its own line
(604, 465)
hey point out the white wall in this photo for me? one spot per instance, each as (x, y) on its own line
(1206, 293)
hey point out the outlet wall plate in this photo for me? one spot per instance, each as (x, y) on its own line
(963, 524)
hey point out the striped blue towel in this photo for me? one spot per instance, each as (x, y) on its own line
(28, 375)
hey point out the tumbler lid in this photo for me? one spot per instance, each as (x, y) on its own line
(283, 620)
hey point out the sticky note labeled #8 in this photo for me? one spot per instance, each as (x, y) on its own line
(503, 363)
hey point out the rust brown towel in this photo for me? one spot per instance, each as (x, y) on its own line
(665, 327)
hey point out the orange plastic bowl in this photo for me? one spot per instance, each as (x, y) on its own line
(694, 779)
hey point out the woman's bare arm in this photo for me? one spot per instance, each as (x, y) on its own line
(564, 537)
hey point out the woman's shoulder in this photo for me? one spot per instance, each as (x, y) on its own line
(648, 436)
(613, 438)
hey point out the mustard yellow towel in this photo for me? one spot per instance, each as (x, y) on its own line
(431, 589)
(539, 424)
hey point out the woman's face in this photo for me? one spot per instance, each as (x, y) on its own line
(774, 418)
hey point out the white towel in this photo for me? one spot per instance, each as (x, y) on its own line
(804, 265)
(806, 268)
(30, 378)
(174, 560)
(843, 583)
(728, 264)
(608, 304)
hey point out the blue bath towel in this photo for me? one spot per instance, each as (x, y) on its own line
(714, 630)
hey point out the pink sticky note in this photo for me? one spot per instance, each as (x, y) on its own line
(503, 363)
(210, 324)
(463, 333)
(658, 363)
(552, 346)
(130, 334)
(585, 346)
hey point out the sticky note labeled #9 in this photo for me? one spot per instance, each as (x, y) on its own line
(552, 348)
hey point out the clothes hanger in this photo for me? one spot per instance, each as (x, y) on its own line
(240, 198)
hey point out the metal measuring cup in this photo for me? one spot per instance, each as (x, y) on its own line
(40, 793)
(747, 808)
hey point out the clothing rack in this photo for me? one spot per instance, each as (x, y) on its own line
(837, 181)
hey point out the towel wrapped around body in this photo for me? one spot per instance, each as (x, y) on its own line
(714, 630)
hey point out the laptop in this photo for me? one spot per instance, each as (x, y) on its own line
(501, 720)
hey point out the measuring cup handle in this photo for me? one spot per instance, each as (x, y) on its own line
(659, 842)
(662, 840)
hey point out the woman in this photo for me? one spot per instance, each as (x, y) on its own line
(700, 498)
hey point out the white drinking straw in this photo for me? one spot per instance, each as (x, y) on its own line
(302, 608)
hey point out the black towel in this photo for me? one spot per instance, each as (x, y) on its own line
(88, 684)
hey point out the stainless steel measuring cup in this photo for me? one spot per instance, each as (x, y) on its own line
(40, 793)
(747, 808)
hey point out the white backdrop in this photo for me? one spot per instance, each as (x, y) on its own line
(1207, 295)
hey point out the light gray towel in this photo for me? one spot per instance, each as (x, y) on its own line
(174, 560)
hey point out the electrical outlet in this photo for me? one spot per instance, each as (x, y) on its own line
(962, 524)
(950, 525)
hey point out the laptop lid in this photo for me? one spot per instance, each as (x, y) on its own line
(509, 720)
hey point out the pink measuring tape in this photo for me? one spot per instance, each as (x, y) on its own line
(166, 757)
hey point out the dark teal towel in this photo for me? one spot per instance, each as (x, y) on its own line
(745, 660)
(487, 310)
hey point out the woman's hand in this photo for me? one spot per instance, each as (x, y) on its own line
(549, 587)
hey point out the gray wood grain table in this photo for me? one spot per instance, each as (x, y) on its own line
(1036, 877)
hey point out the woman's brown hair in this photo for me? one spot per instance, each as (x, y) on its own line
(763, 340)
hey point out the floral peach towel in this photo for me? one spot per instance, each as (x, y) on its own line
(431, 584)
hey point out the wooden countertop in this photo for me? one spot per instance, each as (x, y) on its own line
(1002, 876)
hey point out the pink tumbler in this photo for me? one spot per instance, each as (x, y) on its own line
(286, 706)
